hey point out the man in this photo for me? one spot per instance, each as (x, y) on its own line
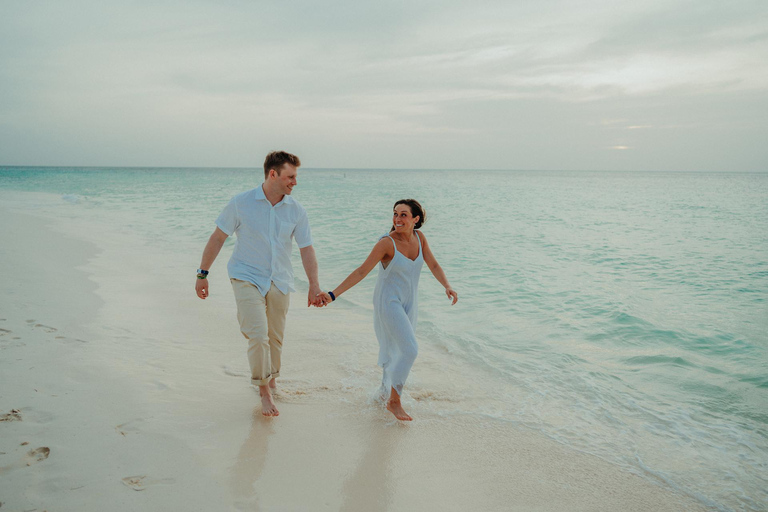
(265, 219)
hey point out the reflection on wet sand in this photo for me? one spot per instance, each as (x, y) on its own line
(369, 488)
(250, 462)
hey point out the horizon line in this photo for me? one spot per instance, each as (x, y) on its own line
(367, 169)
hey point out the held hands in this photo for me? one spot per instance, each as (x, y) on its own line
(452, 295)
(320, 299)
(316, 297)
(325, 297)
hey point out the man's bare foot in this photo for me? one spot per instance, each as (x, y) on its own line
(267, 405)
(397, 409)
(272, 384)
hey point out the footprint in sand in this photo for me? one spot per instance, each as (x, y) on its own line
(37, 455)
(14, 415)
(140, 482)
(46, 328)
(7, 342)
(70, 340)
(135, 482)
(129, 427)
(31, 457)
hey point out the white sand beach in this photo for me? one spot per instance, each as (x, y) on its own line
(121, 391)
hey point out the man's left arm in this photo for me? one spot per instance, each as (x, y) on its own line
(309, 260)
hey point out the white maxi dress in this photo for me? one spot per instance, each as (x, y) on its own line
(395, 310)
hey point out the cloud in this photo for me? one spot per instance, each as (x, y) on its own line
(426, 71)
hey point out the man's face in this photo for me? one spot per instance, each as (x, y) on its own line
(287, 178)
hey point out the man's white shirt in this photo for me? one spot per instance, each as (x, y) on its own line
(265, 233)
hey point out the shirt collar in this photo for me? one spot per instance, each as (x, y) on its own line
(259, 194)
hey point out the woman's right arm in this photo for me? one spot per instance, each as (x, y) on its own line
(381, 250)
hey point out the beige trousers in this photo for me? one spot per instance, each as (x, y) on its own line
(262, 322)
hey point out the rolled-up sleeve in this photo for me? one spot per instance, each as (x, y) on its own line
(229, 220)
(302, 233)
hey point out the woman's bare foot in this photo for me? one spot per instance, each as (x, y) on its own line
(394, 406)
(267, 405)
(397, 409)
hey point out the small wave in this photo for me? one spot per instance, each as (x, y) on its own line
(434, 396)
(658, 359)
(759, 381)
(292, 393)
(71, 198)
(235, 372)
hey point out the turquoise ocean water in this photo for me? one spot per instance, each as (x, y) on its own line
(623, 314)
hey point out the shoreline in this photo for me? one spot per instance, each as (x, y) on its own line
(145, 382)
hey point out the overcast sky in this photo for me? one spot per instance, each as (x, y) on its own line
(540, 84)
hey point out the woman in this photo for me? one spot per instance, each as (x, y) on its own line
(401, 254)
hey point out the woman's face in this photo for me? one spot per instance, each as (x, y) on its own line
(403, 220)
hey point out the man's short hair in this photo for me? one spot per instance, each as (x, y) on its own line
(276, 159)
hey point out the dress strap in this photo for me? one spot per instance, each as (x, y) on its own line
(393, 241)
(393, 257)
